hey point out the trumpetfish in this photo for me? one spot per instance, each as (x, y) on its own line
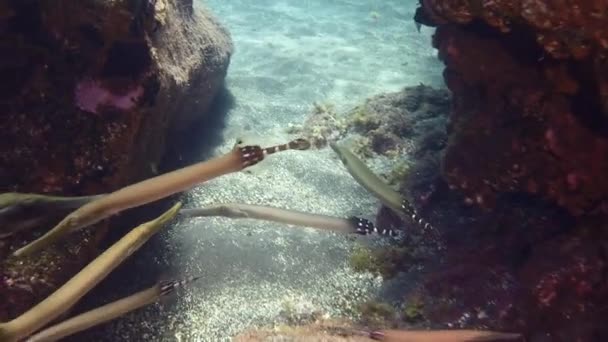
(353, 224)
(21, 211)
(110, 311)
(153, 189)
(455, 335)
(377, 187)
(79, 285)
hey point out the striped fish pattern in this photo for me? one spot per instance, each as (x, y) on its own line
(250, 155)
(167, 287)
(297, 144)
(253, 154)
(364, 227)
(409, 210)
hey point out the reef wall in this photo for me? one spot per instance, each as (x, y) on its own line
(528, 145)
(90, 92)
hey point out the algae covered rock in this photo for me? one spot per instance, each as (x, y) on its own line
(91, 90)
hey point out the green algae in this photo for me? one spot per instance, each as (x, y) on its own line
(383, 261)
(376, 314)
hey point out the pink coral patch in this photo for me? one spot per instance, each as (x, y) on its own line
(90, 95)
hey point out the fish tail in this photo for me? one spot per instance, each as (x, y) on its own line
(169, 286)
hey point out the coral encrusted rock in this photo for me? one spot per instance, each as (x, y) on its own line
(90, 92)
(530, 114)
(527, 152)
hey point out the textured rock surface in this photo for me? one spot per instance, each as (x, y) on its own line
(541, 114)
(528, 144)
(90, 92)
(385, 124)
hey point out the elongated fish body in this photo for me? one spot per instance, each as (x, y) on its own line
(110, 311)
(351, 225)
(156, 188)
(147, 191)
(253, 154)
(455, 335)
(366, 178)
(297, 144)
(376, 186)
(23, 211)
(26, 200)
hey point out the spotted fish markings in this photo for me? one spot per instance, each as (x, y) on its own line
(409, 210)
(297, 144)
(167, 287)
(364, 227)
(253, 154)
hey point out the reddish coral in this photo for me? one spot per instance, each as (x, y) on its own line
(565, 29)
(529, 124)
(515, 130)
(567, 280)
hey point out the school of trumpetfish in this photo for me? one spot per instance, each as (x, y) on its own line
(99, 207)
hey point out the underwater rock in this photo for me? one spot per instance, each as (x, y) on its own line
(530, 97)
(568, 286)
(323, 125)
(526, 157)
(393, 121)
(90, 93)
(385, 124)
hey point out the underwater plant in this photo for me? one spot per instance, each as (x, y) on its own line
(412, 311)
(362, 259)
(155, 188)
(377, 314)
(386, 261)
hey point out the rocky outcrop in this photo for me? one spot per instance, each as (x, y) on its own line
(531, 76)
(386, 124)
(90, 92)
(528, 144)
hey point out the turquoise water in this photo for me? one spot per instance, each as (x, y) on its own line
(288, 54)
(291, 53)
